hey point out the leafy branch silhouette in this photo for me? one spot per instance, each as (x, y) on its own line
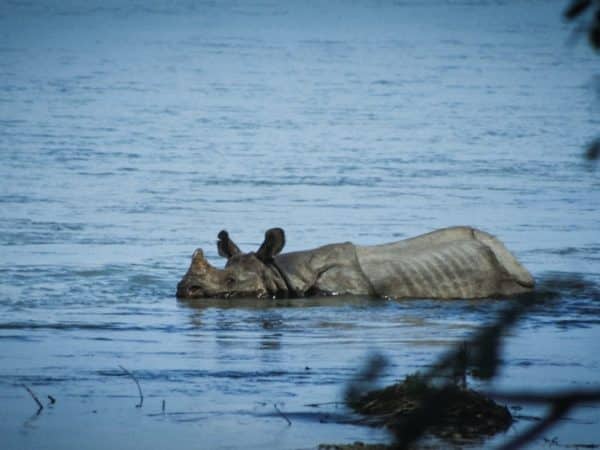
(479, 357)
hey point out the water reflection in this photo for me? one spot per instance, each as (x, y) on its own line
(306, 302)
(31, 423)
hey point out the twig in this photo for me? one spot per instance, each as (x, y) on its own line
(570, 397)
(283, 415)
(138, 386)
(163, 406)
(557, 411)
(316, 405)
(37, 400)
(560, 404)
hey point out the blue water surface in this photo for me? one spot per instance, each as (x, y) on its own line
(132, 132)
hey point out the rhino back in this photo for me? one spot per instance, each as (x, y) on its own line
(457, 262)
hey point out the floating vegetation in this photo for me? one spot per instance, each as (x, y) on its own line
(462, 413)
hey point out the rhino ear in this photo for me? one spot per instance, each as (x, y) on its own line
(273, 244)
(226, 246)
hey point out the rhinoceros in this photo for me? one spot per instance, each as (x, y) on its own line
(456, 262)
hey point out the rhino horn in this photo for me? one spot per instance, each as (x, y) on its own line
(199, 262)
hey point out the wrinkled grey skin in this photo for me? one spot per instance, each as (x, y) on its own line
(457, 262)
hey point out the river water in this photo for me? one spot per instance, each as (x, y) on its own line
(132, 132)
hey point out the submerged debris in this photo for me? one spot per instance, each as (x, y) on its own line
(355, 446)
(134, 378)
(461, 413)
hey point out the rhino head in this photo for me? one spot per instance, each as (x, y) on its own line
(253, 274)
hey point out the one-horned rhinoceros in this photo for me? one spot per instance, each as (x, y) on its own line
(457, 262)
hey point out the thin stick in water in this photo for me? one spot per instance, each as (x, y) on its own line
(317, 405)
(33, 396)
(283, 415)
(138, 386)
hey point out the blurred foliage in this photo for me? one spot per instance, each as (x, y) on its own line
(593, 151)
(415, 384)
(587, 14)
(480, 357)
(366, 378)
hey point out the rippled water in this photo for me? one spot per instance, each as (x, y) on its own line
(131, 133)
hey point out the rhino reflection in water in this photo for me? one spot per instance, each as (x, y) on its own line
(457, 262)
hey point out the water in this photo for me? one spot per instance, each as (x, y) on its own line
(130, 134)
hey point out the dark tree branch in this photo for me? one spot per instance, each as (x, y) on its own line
(576, 8)
(560, 404)
(557, 411)
(580, 8)
(480, 354)
(567, 397)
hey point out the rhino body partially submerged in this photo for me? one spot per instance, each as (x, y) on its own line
(457, 262)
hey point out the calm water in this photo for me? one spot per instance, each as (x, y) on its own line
(130, 134)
